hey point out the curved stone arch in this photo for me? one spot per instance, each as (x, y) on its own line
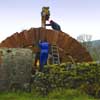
(67, 45)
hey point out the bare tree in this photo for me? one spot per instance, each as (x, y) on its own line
(85, 39)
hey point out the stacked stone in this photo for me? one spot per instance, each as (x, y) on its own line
(15, 68)
(66, 43)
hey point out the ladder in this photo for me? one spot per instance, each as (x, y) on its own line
(55, 54)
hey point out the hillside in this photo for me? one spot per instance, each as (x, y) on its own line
(96, 43)
(94, 49)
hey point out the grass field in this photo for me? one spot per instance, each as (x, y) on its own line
(55, 95)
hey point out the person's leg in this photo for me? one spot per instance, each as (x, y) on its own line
(45, 58)
(35, 64)
(41, 61)
(35, 60)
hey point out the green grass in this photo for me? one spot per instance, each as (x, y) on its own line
(54, 95)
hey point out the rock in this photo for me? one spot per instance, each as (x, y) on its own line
(15, 68)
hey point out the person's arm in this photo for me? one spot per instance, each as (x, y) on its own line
(47, 24)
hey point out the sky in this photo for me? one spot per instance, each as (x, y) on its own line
(75, 17)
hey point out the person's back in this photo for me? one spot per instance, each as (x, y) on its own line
(44, 46)
(55, 26)
(44, 49)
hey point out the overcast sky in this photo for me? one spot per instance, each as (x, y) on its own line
(75, 16)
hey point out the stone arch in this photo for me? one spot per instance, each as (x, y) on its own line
(67, 45)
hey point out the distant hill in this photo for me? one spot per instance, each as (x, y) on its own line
(94, 49)
(96, 43)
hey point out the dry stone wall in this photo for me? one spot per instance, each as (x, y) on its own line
(15, 68)
(66, 43)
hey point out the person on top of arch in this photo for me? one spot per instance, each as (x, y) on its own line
(54, 25)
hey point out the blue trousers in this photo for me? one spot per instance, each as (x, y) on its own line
(43, 59)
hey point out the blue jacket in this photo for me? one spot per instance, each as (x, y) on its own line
(44, 47)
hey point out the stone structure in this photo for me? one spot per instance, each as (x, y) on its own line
(67, 45)
(15, 68)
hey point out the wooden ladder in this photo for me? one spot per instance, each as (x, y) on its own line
(55, 54)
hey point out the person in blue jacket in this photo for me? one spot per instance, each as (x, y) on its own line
(44, 50)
